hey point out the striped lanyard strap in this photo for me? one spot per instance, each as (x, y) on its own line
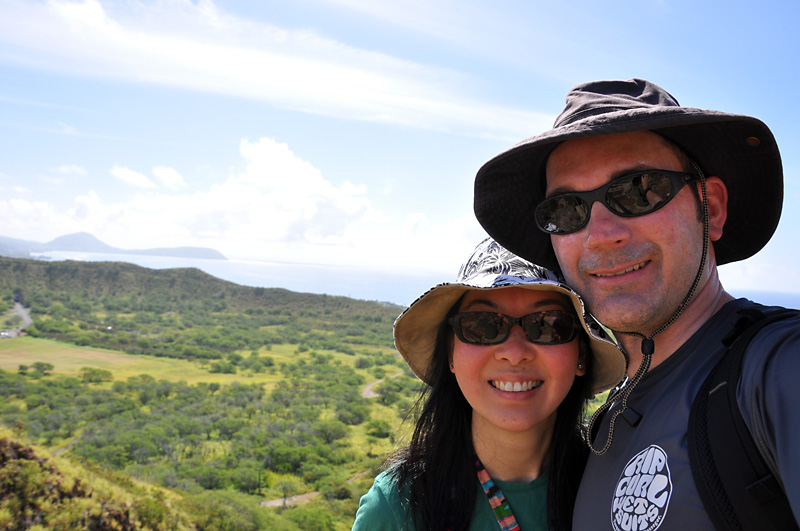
(502, 510)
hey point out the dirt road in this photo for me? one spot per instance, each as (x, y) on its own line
(23, 314)
(291, 500)
(368, 392)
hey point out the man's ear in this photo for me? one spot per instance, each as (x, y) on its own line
(717, 194)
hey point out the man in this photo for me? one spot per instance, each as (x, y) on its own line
(637, 200)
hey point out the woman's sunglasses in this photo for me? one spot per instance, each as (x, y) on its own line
(490, 328)
(631, 195)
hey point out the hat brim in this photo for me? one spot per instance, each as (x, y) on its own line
(416, 330)
(738, 149)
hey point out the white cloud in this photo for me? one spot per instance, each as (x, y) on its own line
(131, 177)
(70, 169)
(25, 219)
(9, 185)
(16, 189)
(199, 47)
(275, 206)
(169, 177)
(279, 198)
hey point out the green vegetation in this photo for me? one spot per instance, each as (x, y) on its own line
(197, 400)
(185, 313)
(311, 432)
(40, 491)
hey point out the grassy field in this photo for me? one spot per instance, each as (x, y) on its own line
(68, 359)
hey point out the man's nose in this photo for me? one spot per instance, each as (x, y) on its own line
(605, 228)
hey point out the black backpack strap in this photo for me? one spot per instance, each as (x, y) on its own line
(736, 486)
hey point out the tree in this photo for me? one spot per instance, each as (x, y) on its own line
(312, 518)
(230, 511)
(352, 413)
(330, 430)
(387, 391)
(287, 486)
(379, 428)
(210, 476)
(42, 368)
(247, 476)
(94, 375)
(285, 455)
(228, 427)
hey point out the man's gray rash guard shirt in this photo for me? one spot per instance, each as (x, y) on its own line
(644, 481)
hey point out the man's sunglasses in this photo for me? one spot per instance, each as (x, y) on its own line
(490, 328)
(631, 195)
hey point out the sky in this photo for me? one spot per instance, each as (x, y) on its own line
(346, 133)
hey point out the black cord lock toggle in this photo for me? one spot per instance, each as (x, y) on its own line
(648, 346)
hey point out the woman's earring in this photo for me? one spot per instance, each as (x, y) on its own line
(452, 365)
(580, 366)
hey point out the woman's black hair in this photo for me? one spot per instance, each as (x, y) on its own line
(568, 450)
(438, 464)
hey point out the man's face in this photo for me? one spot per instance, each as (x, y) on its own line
(632, 272)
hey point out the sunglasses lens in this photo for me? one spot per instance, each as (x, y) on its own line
(487, 328)
(638, 194)
(631, 195)
(562, 214)
(557, 328)
(481, 328)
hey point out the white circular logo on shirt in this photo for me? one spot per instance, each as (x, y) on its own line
(641, 498)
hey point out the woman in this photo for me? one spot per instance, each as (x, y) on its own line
(499, 424)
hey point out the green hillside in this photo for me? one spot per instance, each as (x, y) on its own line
(39, 490)
(204, 404)
(184, 313)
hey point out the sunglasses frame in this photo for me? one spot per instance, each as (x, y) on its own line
(455, 323)
(677, 178)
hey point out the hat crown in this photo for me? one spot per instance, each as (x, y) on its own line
(491, 262)
(605, 97)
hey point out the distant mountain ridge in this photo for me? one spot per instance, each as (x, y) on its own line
(83, 242)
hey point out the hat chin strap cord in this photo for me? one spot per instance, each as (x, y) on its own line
(648, 345)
